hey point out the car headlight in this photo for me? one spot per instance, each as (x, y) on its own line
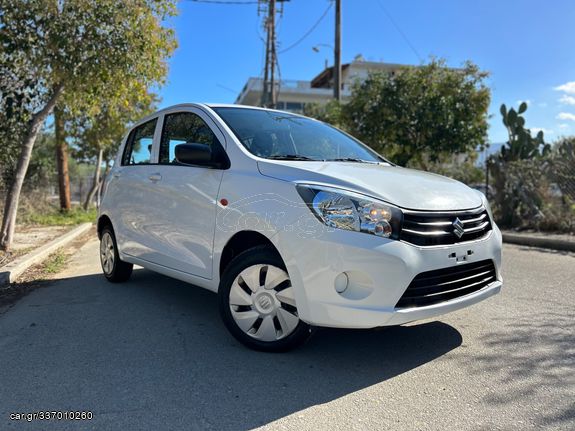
(352, 211)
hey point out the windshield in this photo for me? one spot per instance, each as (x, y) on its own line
(279, 135)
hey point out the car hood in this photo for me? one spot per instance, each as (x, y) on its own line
(406, 188)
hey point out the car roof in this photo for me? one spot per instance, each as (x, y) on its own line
(209, 106)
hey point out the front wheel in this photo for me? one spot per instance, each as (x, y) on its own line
(257, 302)
(113, 268)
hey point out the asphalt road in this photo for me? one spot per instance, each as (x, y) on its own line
(153, 354)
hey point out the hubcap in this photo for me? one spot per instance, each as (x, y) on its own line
(107, 253)
(263, 304)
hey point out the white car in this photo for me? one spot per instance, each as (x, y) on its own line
(293, 223)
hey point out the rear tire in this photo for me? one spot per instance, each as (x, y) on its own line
(114, 269)
(257, 303)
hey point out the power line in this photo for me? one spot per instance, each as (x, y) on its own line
(399, 29)
(307, 33)
(227, 88)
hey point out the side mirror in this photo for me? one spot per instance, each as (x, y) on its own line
(194, 154)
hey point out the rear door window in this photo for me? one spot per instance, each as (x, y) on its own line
(139, 145)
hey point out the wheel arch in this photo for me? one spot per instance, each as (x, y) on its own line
(103, 221)
(240, 242)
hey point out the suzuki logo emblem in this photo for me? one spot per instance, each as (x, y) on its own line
(458, 228)
(265, 302)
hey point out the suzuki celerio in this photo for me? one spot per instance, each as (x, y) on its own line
(293, 223)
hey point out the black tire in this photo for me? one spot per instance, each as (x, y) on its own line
(260, 255)
(116, 271)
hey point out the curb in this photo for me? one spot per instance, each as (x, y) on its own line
(536, 241)
(14, 269)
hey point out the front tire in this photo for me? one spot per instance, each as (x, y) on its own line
(257, 302)
(114, 269)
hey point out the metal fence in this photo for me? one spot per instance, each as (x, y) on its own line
(534, 193)
(43, 196)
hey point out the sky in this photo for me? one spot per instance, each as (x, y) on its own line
(526, 45)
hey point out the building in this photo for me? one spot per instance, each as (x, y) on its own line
(294, 95)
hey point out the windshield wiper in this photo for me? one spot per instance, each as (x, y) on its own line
(292, 157)
(350, 159)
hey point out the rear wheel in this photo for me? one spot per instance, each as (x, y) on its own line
(257, 302)
(114, 269)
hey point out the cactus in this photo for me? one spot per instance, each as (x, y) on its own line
(517, 171)
(521, 144)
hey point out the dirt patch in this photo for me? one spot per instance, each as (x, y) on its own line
(28, 238)
(42, 274)
(36, 236)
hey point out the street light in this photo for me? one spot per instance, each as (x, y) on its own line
(317, 48)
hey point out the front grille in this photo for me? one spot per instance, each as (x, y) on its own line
(434, 228)
(440, 285)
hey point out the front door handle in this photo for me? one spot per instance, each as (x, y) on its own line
(155, 177)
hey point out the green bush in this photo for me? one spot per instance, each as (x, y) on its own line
(52, 216)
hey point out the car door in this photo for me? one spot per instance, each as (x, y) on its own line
(129, 191)
(186, 195)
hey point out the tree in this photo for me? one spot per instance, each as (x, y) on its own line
(422, 113)
(97, 134)
(78, 49)
(330, 112)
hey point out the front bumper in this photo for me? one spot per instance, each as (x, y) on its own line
(379, 271)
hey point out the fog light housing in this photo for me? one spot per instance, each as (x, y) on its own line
(381, 228)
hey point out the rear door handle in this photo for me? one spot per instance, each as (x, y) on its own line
(155, 177)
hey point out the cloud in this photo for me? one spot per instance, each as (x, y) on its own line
(563, 126)
(535, 130)
(568, 87)
(567, 100)
(566, 116)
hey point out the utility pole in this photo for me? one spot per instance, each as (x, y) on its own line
(337, 53)
(269, 9)
(273, 59)
(262, 8)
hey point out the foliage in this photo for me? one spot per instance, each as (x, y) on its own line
(94, 48)
(72, 53)
(429, 117)
(55, 262)
(562, 161)
(103, 127)
(52, 216)
(330, 112)
(42, 168)
(89, 46)
(425, 112)
(460, 167)
(521, 144)
(519, 196)
(519, 171)
(20, 94)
